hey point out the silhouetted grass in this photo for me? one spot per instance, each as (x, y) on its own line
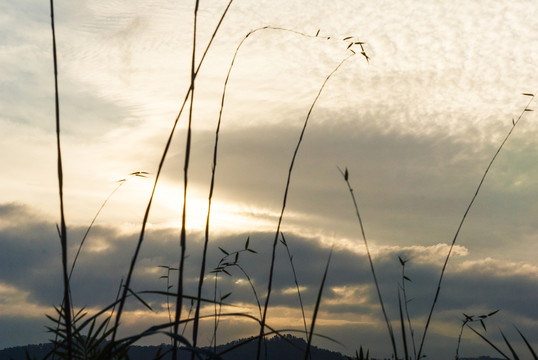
(79, 335)
(405, 278)
(290, 257)
(345, 174)
(286, 190)
(159, 170)
(63, 229)
(316, 308)
(437, 292)
(183, 235)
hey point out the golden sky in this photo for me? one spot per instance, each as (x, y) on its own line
(416, 126)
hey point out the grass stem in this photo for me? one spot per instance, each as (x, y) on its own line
(290, 257)
(63, 227)
(158, 173)
(403, 262)
(316, 308)
(345, 174)
(286, 190)
(435, 299)
(183, 235)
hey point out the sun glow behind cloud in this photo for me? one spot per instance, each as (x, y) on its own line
(225, 217)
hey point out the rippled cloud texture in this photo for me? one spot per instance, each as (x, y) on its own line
(416, 126)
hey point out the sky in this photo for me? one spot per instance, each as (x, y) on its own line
(415, 126)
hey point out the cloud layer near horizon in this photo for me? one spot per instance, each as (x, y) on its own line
(30, 281)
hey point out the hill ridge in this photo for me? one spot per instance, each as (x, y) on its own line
(287, 347)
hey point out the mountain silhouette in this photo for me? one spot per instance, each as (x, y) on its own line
(286, 347)
(278, 348)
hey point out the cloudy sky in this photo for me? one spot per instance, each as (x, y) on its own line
(416, 126)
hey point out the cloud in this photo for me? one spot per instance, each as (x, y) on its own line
(416, 128)
(500, 267)
(15, 304)
(418, 194)
(31, 277)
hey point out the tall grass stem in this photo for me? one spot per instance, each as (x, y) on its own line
(406, 308)
(288, 181)
(183, 235)
(290, 257)
(345, 174)
(86, 233)
(215, 157)
(489, 342)
(63, 227)
(158, 173)
(514, 124)
(402, 324)
(316, 308)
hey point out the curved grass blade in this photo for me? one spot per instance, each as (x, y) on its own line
(158, 173)
(316, 308)
(516, 357)
(345, 174)
(215, 153)
(288, 181)
(435, 299)
(183, 234)
(290, 257)
(489, 342)
(528, 345)
(63, 227)
(402, 322)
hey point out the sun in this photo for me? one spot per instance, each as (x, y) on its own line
(225, 216)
